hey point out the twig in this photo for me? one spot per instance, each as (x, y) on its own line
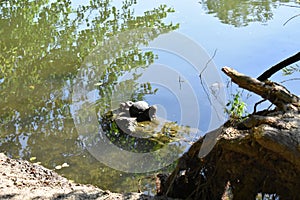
(292, 79)
(282, 4)
(256, 104)
(200, 76)
(291, 19)
(206, 65)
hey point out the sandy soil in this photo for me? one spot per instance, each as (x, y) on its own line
(21, 179)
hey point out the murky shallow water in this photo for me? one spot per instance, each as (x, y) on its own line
(45, 55)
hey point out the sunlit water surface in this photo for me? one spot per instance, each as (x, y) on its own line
(42, 61)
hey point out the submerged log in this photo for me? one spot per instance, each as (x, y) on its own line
(260, 154)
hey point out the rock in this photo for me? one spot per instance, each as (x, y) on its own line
(126, 124)
(20, 179)
(125, 106)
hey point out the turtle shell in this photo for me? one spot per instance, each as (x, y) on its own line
(147, 115)
(138, 108)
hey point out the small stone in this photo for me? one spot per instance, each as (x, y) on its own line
(32, 158)
(65, 165)
(126, 124)
(58, 167)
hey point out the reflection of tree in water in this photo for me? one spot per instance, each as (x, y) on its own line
(43, 45)
(109, 65)
(241, 13)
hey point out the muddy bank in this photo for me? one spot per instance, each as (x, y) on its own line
(20, 179)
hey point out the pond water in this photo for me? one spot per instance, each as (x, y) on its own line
(65, 64)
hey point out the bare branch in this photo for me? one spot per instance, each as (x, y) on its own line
(275, 93)
(291, 19)
(267, 74)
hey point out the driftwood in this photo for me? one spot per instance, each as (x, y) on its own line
(260, 154)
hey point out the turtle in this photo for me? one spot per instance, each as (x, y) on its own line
(142, 111)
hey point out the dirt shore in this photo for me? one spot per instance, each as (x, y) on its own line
(20, 179)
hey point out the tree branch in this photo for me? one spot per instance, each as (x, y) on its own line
(275, 93)
(267, 74)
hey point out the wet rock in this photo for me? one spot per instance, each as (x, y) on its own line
(126, 124)
(124, 107)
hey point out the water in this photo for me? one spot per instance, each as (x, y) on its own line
(47, 52)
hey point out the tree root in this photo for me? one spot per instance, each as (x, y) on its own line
(260, 154)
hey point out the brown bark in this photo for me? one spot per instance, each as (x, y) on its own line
(275, 93)
(260, 154)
